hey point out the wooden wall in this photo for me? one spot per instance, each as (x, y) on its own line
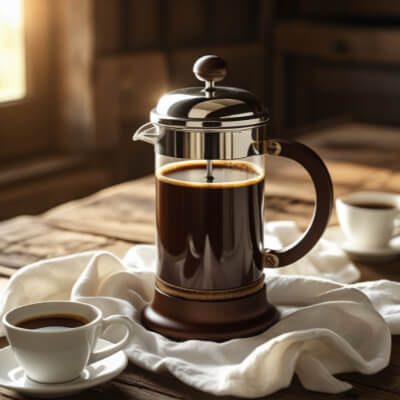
(337, 58)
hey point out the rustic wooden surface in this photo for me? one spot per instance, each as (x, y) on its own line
(358, 156)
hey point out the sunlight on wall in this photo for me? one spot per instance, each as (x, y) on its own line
(12, 50)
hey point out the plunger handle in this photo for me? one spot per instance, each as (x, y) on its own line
(210, 69)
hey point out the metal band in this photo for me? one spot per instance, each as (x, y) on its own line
(208, 144)
(193, 294)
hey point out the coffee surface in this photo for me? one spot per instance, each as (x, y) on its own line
(373, 206)
(210, 235)
(224, 174)
(53, 322)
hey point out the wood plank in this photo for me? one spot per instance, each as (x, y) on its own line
(51, 190)
(107, 104)
(265, 33)
(395, 358)
(374, 271)
(53, 243)
(338, 42)
(350, 8)
(20, 228)
(186, 23)
(9, 394)
(125, 211)
(163, 383)
(56, 243)
(369, 388)
(134, 233)
(75, 48)
(28, 239)
(107, 25)
(366, 144)
(279, 95)
(121, 391)
(389, 379)
(144, 185)
(38, 167)
(237, 25)
(144, 25)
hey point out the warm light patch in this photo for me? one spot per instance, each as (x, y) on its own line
(12, 50)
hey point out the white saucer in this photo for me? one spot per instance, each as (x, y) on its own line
(391, 252)
(13, 377)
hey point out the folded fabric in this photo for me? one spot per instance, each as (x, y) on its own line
(325, 260)
(325, 328)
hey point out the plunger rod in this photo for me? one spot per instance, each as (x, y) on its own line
(209, 175)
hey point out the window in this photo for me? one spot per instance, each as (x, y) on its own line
(12, 51)
(26, 76)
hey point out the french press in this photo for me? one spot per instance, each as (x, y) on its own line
(210, 145)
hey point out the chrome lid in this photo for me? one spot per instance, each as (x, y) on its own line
(210, 122)
(210, 107)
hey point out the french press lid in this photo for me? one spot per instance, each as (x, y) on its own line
(210, 122)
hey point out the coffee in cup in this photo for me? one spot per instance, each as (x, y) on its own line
(53, 341)
(369, 219)
(53, 322)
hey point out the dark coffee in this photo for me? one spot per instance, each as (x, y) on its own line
(53, 322)
(373, 206)
(210, 235)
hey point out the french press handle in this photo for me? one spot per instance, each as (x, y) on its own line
(323, 202)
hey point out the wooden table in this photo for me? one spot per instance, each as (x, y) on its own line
(358, 156)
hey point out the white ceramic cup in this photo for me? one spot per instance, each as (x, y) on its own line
(61, 354)
(369, 228)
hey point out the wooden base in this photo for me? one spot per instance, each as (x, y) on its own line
(183, 319)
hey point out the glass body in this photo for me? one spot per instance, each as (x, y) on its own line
(209, 230)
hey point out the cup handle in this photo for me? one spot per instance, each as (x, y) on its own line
(323, 203)
(114, 319)
(396, 228)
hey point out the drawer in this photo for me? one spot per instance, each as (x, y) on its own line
(338, 42)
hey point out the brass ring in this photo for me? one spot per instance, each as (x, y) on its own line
(196, 294)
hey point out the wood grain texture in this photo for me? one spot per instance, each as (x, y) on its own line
(116, 218)
(51, 190)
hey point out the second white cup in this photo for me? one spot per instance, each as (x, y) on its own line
(369, 219)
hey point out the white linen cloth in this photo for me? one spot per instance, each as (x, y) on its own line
(325, 327)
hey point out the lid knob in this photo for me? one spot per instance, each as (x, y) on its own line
(210, 69)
